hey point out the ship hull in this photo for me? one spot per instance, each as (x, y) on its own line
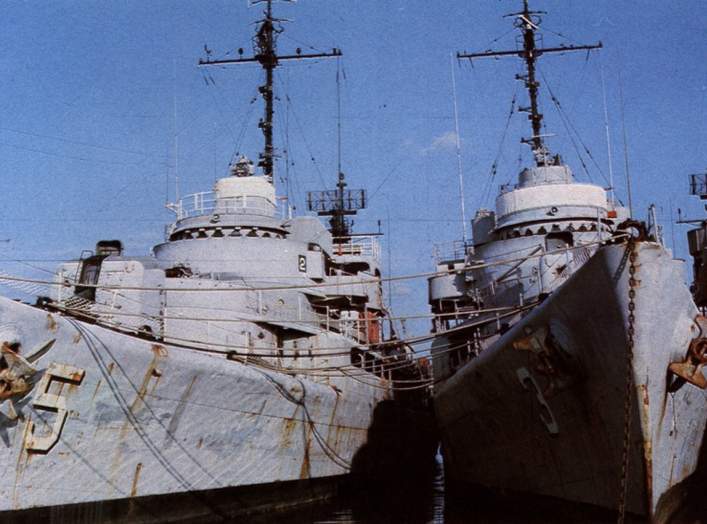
(222, 504)
(547, 416)
(110, 418)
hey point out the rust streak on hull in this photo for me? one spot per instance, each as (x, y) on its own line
(136, 478)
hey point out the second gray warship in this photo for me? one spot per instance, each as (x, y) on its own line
(569, 354)
(239, 367)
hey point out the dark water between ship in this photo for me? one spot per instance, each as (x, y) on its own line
(429, 504)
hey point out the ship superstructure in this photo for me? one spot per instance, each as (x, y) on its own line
(238, 367)
(543, 228)
(555, 331)
(697, 241)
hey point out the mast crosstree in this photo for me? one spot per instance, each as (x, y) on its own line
(265, 53)
(528, 22)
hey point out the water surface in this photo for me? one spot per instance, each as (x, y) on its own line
(424, 501)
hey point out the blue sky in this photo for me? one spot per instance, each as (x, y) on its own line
(89, 90)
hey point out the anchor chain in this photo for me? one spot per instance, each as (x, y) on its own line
(632, 284)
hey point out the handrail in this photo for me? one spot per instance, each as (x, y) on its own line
(448, 251)
(207, 203)
(364, 246)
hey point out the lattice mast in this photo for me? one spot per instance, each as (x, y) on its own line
(528, 22)
(265, 53)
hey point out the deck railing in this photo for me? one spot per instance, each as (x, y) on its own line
(207, 203)
(448, 251)
(361, 246)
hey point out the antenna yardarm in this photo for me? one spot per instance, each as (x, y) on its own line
(265, 53)
(528, 22)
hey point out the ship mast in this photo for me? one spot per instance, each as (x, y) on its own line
(265, 53)
(528, 22)
(340, 203)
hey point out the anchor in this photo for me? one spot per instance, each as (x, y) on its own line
(16, 373)
(690, 369)
(549, 360)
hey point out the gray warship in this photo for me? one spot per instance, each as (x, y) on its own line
(569, 354)
(237, 368)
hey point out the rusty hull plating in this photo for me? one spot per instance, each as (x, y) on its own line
(541, 409)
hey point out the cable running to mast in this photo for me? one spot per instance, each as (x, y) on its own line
(265, 53)
(528, 22)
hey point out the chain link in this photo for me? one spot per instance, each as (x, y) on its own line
(632, 256)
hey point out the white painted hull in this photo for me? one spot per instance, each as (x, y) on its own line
(149, 419)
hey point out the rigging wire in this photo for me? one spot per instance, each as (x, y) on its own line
(216, 102)
(260, 318)
(286, 36)
(578, 96)
(385, 179)
(292, 191)
(488, 46)
(38, 268)
(462, 327)
(494, 167)
(375, 280)
(400, 361)
(74, 157)
(304, 140)
(162, 158)
(556, 104)
(245, 118)
(244, 126)
(328, 450)
(231, 348)
(572, 127)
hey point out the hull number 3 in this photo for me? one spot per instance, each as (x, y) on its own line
(529, 384)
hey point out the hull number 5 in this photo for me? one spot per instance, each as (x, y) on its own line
(49, 397)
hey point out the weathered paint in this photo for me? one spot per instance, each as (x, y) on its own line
(136, 478)
(644, 400)
(205, 422)
(493, 435)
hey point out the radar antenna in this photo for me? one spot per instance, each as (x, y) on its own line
(528, 22)
(338, 204)
(265, 53)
